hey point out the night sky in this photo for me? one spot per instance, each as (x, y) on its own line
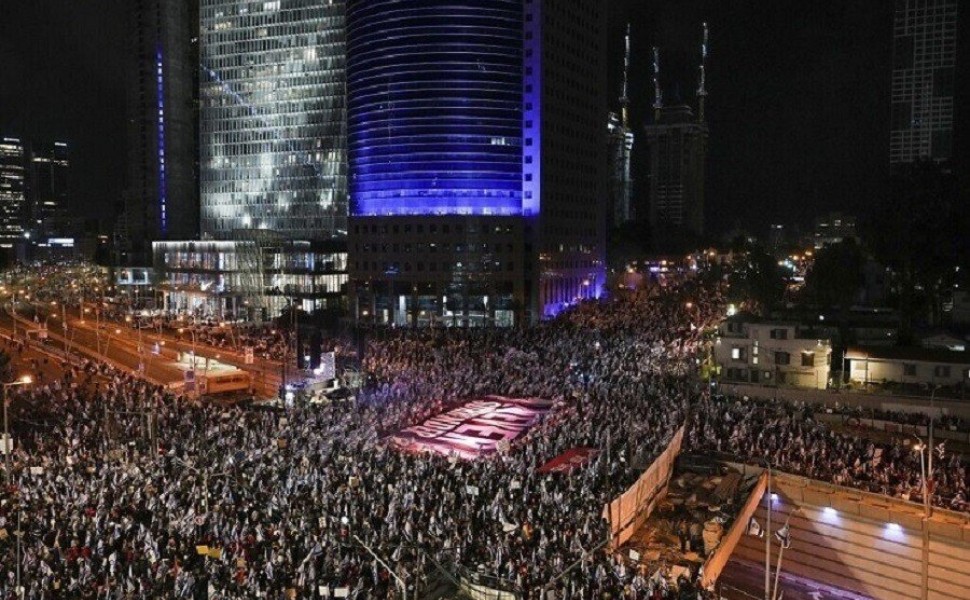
(798, 96)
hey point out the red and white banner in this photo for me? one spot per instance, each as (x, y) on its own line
(569, 460)
(475, 428)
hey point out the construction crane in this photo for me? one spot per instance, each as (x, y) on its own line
(658, 102)
(625, 97)
(702, 88)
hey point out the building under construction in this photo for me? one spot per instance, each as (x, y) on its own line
(619, 148)
(677, 140)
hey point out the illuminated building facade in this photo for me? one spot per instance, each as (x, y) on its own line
(619, 149)
(924, 68)
(161, 189)
(250, 279)
(273, 118)
(13, 193)
(477, 180)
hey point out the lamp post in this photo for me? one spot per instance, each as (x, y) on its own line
(7, 442)
(768, 536)
(920, 447)
(397, 578)
(205, 481)
(929, 466)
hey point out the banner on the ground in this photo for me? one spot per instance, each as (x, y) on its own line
(475, 428)
(569, 460)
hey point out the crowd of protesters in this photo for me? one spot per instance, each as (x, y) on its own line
(122, 490)
(789, 437)
(293, 499)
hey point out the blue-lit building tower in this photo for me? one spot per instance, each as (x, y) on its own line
(476, 175)
(161, 198)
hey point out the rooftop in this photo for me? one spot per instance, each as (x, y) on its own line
(908, 353)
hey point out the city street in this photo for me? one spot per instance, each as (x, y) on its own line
(742, 580)
(125, 346)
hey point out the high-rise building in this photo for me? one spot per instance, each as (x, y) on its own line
(677, 140)
(49, 191)
(924, 66)
(161, 191)
(619, 148)
(13, 193)
(273, 118)
(678, 151)
(477, 179)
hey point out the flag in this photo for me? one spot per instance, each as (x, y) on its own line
(784, 536)
(754, 528)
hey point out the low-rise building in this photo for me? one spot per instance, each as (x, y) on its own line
(914, 366)
(776, 353)
(252, 279)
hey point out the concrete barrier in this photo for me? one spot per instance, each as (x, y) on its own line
(866, 543)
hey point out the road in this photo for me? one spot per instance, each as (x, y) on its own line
(127, 347)
(85, 342)
(742, 580)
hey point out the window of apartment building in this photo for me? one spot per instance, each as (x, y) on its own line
(941, 371)
(779, 334)
(782, 358)
(767, 374)
(738, 353)
(808, 359)
(909, 369)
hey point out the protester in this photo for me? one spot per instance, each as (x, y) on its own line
(119, 485)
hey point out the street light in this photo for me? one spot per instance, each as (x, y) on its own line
(400, 582)
(920, 447)
(7, 442)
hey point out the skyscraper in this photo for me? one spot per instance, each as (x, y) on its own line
(477, 180)
(619, 148)
(924, 61)
(273, 118)
(48, 190)
(677, 140)
(678, 151)
(161, 192)
(13, 193)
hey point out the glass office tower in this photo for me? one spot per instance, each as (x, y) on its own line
(477, 175)
(436, 107)
(13, 191)
(924, 68)
(273, 112)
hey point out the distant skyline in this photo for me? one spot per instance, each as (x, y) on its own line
(798, 101)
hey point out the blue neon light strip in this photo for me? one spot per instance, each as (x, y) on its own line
(435, 107)
(162, 184)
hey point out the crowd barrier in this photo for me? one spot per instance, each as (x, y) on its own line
(630, 509)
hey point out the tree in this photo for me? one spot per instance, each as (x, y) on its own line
(836, 275)
(756, 277)
(918, 231)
